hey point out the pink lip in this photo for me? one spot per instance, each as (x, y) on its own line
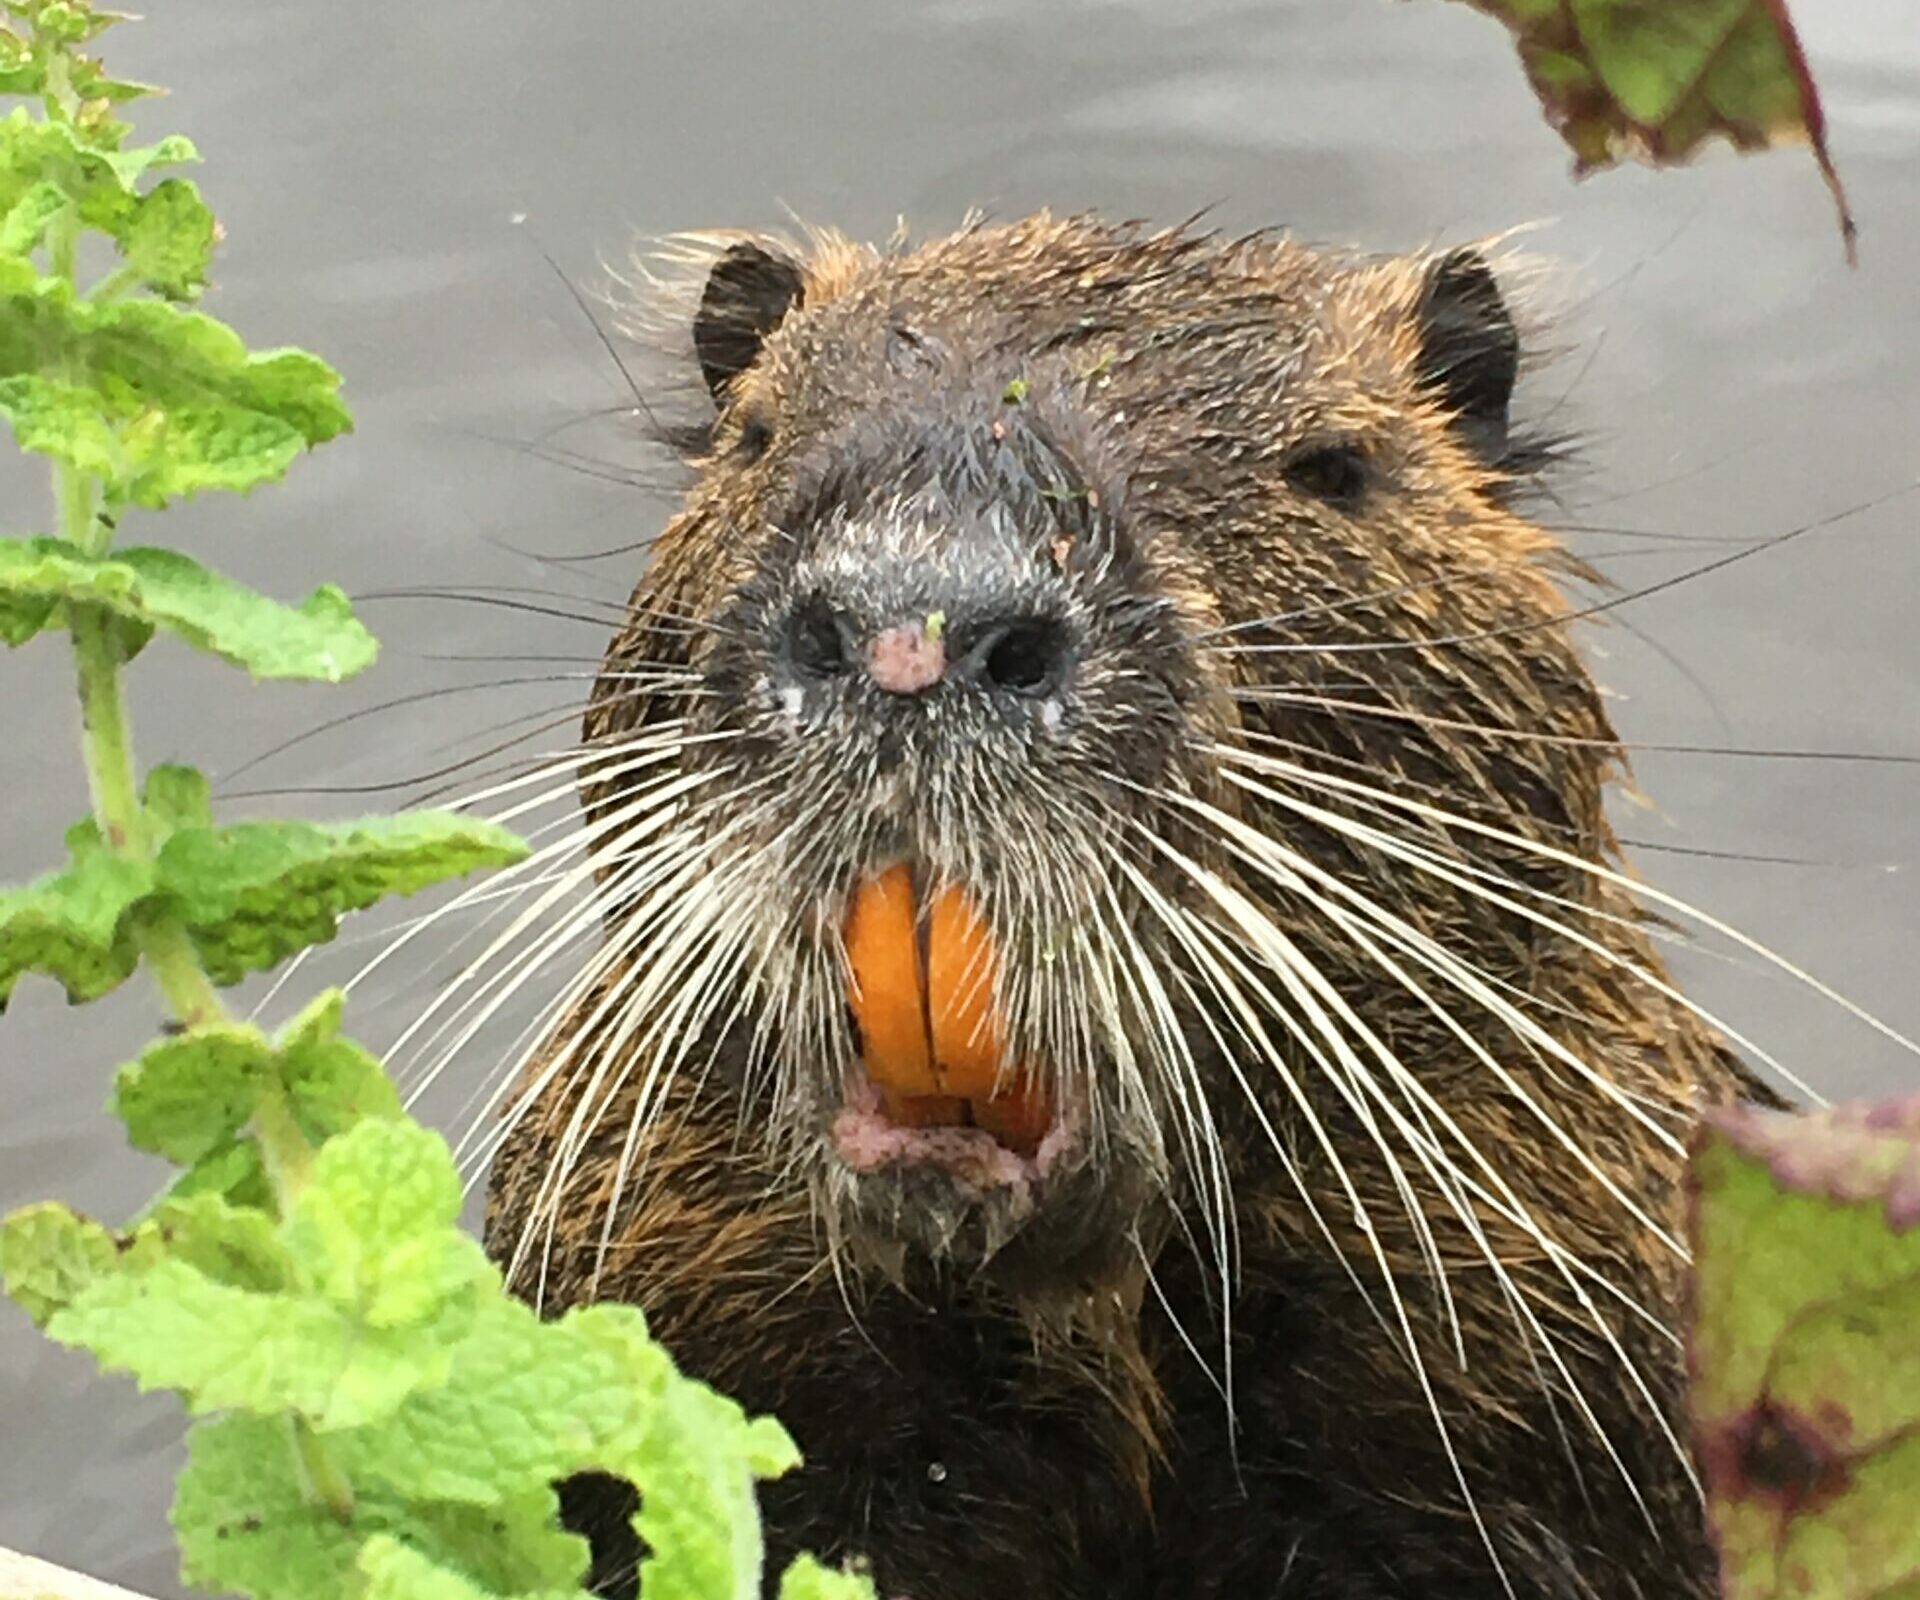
(868, 1140)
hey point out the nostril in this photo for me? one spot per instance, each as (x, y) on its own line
(1028, 657)
(814, 639)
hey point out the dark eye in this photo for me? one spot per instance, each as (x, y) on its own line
(1335, 473)
(756, 433)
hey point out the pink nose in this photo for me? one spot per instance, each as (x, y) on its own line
(907, 660)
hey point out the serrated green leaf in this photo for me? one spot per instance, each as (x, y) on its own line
(73, 926)
(807, 1579)
(186, 449)
(175, 150)
(25, 221)
(169, 239)
(182, 358)
(513, 1547)
(33, 151)
(1806, 1391)
(394, 1571)
(188, 1096)
(238, 1246)
(331, 1081)
(319, 640)
(230, 1349)
(177, 797)
(233, 1171)
(526, 1401)
(698, 1515)
(48, 1255)
(61, 420)
(254, 893)
(187, 406)
(246, 1524)
(374, 1231)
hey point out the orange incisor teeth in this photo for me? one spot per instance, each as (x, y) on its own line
(932, 1039)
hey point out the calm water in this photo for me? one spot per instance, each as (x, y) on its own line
(1732, 377)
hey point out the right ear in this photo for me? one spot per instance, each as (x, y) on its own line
(748, 293)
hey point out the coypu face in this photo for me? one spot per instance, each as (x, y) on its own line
(1008, 560)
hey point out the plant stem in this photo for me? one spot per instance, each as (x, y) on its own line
(113, 783)
(323, 1478)
(283, 1146)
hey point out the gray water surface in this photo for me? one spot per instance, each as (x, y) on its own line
(1732, 378)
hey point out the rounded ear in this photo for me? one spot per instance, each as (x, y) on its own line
(1470, 349)
(748, 292)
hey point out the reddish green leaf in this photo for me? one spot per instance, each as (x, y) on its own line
(1654, 80)
(1806, 1349)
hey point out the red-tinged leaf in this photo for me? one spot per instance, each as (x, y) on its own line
(1806, 1349)
(1654, 80)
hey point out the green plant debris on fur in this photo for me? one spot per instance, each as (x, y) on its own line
(145, 589)
(376, 1417)
(1806, 1399)
(1625, 79)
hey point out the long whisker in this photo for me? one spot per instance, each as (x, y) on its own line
(1597, 870)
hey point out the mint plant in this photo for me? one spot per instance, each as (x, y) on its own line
(375, 1416)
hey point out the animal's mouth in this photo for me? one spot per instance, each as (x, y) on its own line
(935, 1085)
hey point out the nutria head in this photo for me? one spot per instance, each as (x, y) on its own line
(1010, 774)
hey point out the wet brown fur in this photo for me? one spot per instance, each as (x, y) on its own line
(976, 1437)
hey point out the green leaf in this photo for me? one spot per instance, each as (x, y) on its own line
(227, 1348)
(177, 797)
(186, 406)
(395, 1571)
(1654, 81)
(374, 1231)
(48, 1255)
(61, 420)
(169, 239)
(20, 73)
(246, 1524)
(238, 1246)
(185, 449)
(81, 159)
(513, 1547)
(257, 892)
(187, 1097)
(233, 1171)
(698, 1515)
(73, 926)
(352, 1305)
(249, 895)
(526, 1401)
(176, 150)
(332, 1082)
(151, 588)
(807, 1579)
(1806, 1397)
(26, 220)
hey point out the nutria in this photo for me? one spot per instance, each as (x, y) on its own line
(1149, 628)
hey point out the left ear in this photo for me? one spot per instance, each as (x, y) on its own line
(748, 294)
(1469, 349)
